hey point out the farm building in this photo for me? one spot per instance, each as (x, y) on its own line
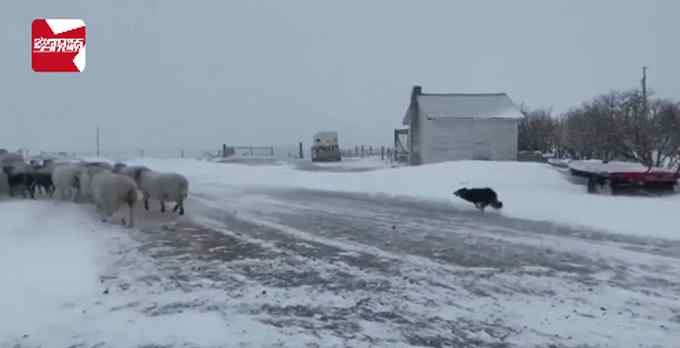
(461, 126)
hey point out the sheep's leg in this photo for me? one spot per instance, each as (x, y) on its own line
(146, 200)
(77, 196)
(176, 207)
(181, 208)
(132, 216)
(31, 190)
(162, 207)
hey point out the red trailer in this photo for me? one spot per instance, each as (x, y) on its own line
(617, 177)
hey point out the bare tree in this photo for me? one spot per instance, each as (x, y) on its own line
(665, 119)
(537, 130)
(616, 125)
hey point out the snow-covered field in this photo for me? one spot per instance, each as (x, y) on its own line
(528, 190)
(278, 255)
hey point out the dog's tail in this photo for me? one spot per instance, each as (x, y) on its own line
(497, 204)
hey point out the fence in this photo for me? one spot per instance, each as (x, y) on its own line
(361, 151)
(278, 152)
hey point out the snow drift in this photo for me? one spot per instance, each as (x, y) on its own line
(528, 190)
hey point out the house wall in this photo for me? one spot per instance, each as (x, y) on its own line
(450, 139)
(414, 137)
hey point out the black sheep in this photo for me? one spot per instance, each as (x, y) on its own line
(44, 181)
(20, 181)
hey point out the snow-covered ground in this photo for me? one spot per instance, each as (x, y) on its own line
(68, 281)
(351, 162)
(271, 255)
(528, 190)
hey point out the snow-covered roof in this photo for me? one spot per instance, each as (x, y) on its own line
(326, 134)
(474, 105)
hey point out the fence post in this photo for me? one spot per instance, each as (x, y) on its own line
(382, 153)
(224, 150)
(362, 151)
(301, 153)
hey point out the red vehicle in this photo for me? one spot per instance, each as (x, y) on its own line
(616, 177)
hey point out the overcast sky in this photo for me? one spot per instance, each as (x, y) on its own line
(195, 74)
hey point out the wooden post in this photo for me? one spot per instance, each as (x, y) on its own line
(301, 153)
(356, 151)
(224, 150)
(362, 151)
(382, 153)
(181, 153)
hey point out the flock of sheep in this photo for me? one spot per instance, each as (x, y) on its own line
(108, 187)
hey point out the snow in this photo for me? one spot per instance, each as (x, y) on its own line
(56, 260)
(369, 162)
(528, 190)
(46, 262)
(596, 166)
(52, 257)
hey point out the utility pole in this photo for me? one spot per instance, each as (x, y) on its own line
(644, 90)
(97, 140)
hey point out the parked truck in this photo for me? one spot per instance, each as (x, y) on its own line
(325, 147)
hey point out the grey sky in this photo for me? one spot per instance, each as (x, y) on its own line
(195, 74)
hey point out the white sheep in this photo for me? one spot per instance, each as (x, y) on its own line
(85, 174)
(131, 171)
(65, 178)
(164, 187)
(110, 191)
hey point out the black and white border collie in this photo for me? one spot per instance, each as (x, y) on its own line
(481, 197)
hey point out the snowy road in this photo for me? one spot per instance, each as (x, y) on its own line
(301, 267)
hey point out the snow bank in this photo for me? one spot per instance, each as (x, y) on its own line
(528, 190)
(356, 163)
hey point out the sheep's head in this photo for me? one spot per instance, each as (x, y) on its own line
(118, 166)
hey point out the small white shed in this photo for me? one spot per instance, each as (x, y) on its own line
(461, 126)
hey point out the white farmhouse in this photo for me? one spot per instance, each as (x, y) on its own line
(461, 126)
